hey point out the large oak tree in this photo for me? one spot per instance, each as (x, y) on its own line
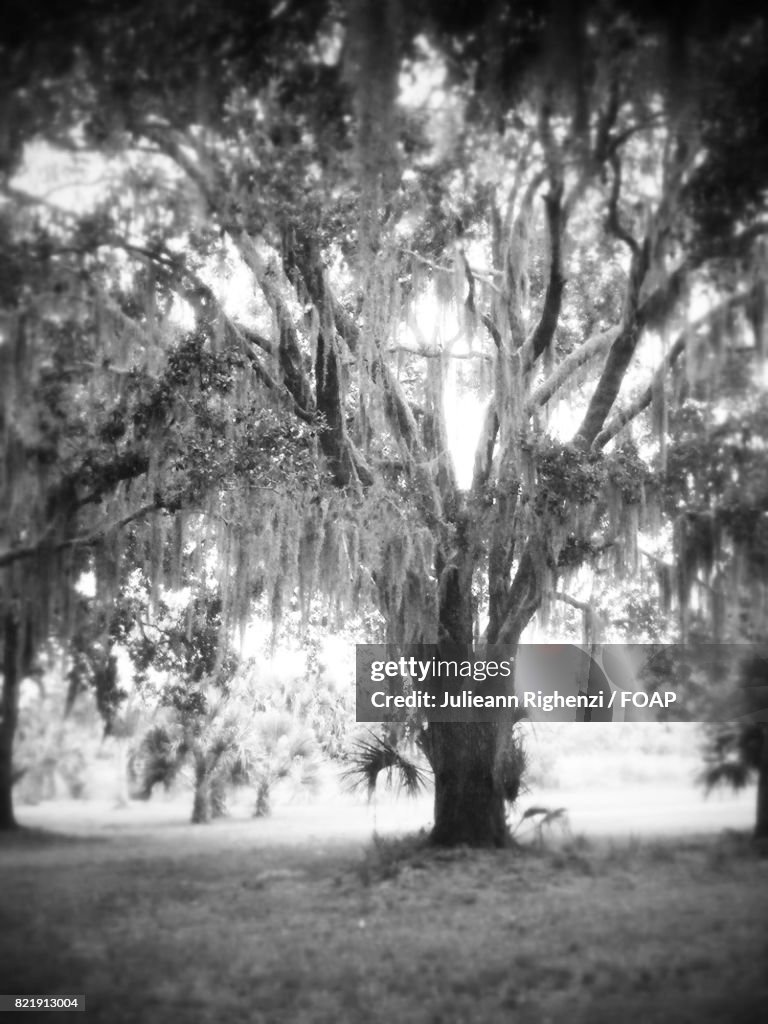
(556, 207)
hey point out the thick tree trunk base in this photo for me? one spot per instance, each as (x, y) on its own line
(469, 801)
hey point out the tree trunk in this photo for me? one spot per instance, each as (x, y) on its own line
(469, 800)
(122, 791)
(9, 711)
(218, 797)
(761, 818)
(474, 763)
(262, 808)
(469, 794)
(202, 808)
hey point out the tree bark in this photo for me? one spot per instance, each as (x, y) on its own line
(345, 463)
(9, 712)
(761, 817)
(218, 797)
(202, 809)
(469, 794)
(469, 800)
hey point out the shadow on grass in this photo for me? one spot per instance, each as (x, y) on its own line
(29, 836)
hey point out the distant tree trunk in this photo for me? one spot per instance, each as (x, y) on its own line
(122, 759)
(202, 807)
(262, 808)
(9, 713)
(761, 820)
(218, 797)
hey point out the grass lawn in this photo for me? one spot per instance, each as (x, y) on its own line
(251, 921)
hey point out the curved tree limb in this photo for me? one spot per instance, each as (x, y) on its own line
(82, 540)
(619, 354)
(624, 416)
(522, 600)
(613, 221)
(544, 331)
(582, 606)
(484, 451)
(594, 346)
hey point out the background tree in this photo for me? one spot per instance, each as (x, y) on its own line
(285, 750)
(186, 672)
(210, 711)
(105, 459)
(737, 752)
(717, 490)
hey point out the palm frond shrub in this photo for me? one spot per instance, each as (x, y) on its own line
(205, 732)
(374, 754)
(226, 740)
(281, 749)
(155, 761)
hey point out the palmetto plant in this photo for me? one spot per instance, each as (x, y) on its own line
(154, 762)
(281, 749)
(226, 740)
(208, 735)
(374, 754)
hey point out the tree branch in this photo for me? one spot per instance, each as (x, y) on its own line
(484, 452)
(83, 540)
(127, 466)
(522, 599)
(619, 354)
(550, 313)
(592, 347)
(583, 606)
(303, 267)
(492, 329)
(613, 222)
(400, 415)
(289, 352)
(624, 416)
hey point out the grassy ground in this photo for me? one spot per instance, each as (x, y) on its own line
(297, 921)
